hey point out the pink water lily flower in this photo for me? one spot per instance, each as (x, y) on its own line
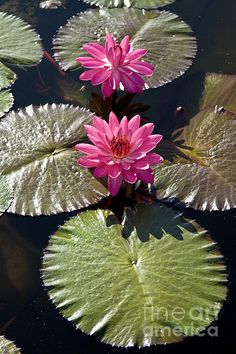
(120, 150)
(115, 66)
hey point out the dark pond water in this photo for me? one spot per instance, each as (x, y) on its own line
(34, 324)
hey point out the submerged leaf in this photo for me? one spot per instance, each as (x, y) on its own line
(6, 195)
(126, 288)
(200, 169)
(8, 347)
(39, 160)
(50, 4)
(140, 4)
(166, 37)
(6, 101)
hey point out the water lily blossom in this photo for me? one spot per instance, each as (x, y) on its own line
(120, 150)
(115, 66)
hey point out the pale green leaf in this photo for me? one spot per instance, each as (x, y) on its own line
(39, 160)
(140, 4)
(6, 195)
(19, 43)
(8, 347)
(199, 170)
(166, 37)
(126, 289)
(6, 101)
(7, 76)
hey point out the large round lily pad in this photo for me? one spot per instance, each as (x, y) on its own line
(19, 43)
(39, 160)
(163, 276)
(140, 4)
(166, 37)
(8, 347)
(199, 168)
(6, 101)
(6, 195)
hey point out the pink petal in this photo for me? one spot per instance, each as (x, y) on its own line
(149, 143)
(98, 47)
(114, 80)
(107, 90)
(88, 163)
(83, 59)
(100, 77)
(137, 79)
(113, 121)
(92, 63)
(111, 55)
(153, 158)
(110, 42)
(98, 123)
(88, 75)
(87, 149)
(141, 164)
(130, 176)
(107, 130)
(136, 54)
(101, 171)
(114, 184)
(118, 56)
(125, 44)
(142, 68)
(125, 164)
(128, 84)
(142, 132)
(94, 51)
(101, 144)
(134, 123)
(145, 176)
(124, 126)
(115, 170)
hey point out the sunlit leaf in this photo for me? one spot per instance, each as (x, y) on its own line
(8, 347)
(166, 37)
(7, 76)
(199, 170)
(19, 44)
(140, 4)
(6, 101)
(114, 286)
(38, 159)
(6, 195)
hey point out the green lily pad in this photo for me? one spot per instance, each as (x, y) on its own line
(140, 4)
(199, 169)
(7, 76)
(6, 101)
(8, 347)
(127, 289)
(166, 37)
(19, 43)
(6, 195)
(39, 160)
